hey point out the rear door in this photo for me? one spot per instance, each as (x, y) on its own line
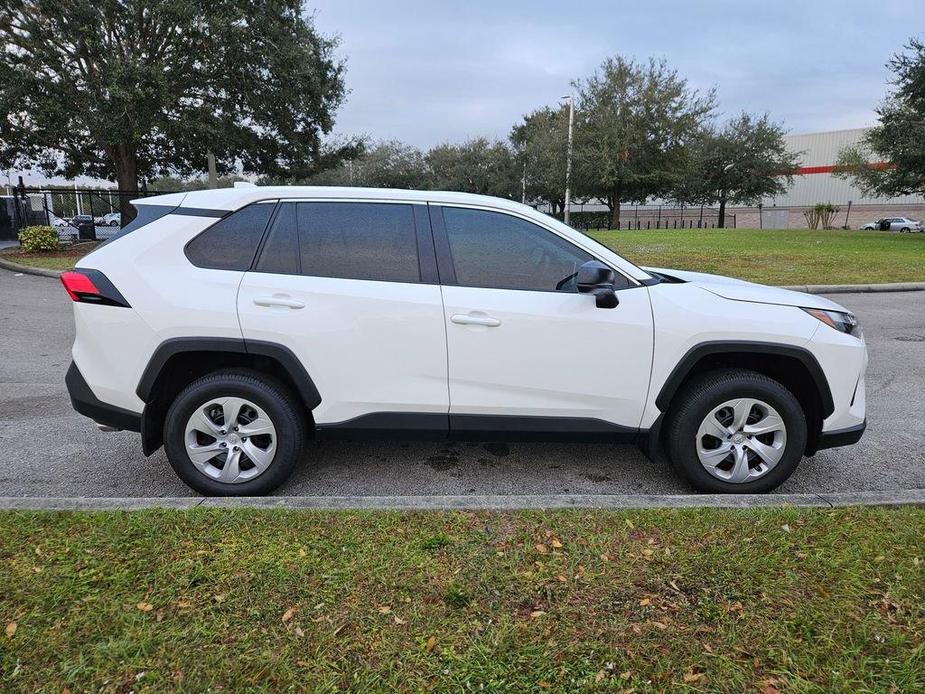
(350, 287)
(526, 351)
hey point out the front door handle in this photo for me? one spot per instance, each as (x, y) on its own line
(473, 319)
(283, 300)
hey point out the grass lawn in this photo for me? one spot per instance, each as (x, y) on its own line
(51, 260)
(780, 257)
(694, 600)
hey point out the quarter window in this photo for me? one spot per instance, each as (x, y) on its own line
(493, 249)
(230, 244)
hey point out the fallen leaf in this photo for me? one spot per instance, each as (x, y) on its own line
(289, 614)
(431, 642)
(785, 528)
(629, 524)
(302, 552)
(220, 598)
(537, 613)
(543, 684)
(385, 609)
(399, 620)
(605, 557)
(145, 606)
(768, 686)
(644, 602)
(11, 629)
(184, 603)
(600, 675)
(562, 579)
(626, 675)
(298, 632)
(556, 543)
(659, 625)
(541, 548)
(690, 677)
(302, 663)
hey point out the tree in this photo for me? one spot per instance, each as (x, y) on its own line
(541, 145)
(633, 124)
(133, 89)
(739, 163)
(387, 165)
(476, 166)
(890, 159)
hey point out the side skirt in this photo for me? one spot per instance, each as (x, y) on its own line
(466, 427)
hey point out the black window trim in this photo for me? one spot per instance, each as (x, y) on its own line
(447, 269)
(229, 213)
(424, 241)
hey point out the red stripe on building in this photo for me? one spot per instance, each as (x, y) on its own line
(804, 170)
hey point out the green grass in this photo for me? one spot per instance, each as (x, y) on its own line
(780, 257)
(762, 600)
(50, 260)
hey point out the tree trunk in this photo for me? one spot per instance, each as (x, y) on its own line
(721, 221)
(615, 209)
(125, 163)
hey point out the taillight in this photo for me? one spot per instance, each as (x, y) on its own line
(92, 287)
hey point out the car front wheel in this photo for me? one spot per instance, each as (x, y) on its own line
(234, 433)
(736, 431)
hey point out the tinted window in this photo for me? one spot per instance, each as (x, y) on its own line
(231, 243)
(491, 249)
(280, 253)
(354, 240)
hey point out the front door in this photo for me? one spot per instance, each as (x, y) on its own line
(525, 349)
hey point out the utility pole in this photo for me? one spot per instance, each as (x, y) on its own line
(568, 158)
(523, 185)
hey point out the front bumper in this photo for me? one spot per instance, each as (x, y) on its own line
(841, 437)
(86, 403)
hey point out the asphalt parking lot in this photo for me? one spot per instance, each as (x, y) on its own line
(49, 450)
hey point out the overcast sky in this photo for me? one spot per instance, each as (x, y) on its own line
(431, 71)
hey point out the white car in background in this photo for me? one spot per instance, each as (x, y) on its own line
(230, 326)
(113, 219)
(894, 224)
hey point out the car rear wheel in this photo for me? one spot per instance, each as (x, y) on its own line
(904, 229)
(234, 433)
(736, 431)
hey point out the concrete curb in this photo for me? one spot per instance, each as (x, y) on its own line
(857, 288)
(905, 497)
(807, 288)
(28, 270)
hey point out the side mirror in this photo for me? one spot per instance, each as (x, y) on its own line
(596, 278)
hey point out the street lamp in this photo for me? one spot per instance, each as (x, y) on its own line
(568, 158)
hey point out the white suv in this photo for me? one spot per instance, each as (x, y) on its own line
(232, 325)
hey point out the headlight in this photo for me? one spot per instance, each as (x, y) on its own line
(842, 322)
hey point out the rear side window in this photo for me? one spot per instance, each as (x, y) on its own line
(346, 240)
(231, 243)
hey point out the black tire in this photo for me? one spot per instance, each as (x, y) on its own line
(697, 400)
(264, 391)
(904, 229)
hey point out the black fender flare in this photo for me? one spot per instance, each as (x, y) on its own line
(704, 349)
(170, 348)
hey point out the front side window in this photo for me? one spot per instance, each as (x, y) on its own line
(230, 244)
(497, 250)
(346, 240)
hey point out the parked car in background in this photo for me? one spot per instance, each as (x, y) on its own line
(113, 219)
(79, 219)
(894, 224)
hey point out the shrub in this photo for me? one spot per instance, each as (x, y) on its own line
(822, 214)
(39, 238)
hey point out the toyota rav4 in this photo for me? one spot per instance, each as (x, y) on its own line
(230, 326)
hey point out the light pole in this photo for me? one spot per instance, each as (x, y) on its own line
(568, 158)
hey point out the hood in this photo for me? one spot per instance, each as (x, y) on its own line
(739, 290)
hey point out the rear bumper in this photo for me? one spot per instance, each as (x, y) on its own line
(841, 437)
(86, 403)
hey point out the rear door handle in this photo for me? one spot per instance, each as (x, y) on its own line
(471, 319)
(278, 300)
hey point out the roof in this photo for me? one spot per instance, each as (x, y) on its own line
(234, 198)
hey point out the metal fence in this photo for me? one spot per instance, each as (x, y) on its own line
(77, 213)
(648, 217)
